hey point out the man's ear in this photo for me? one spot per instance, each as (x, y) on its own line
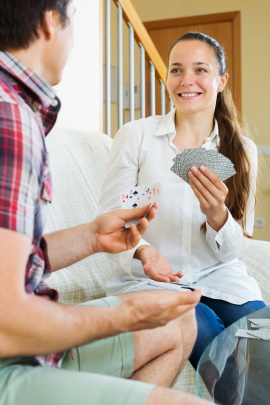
(49, 23)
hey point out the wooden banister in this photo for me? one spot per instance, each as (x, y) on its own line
(142, 36)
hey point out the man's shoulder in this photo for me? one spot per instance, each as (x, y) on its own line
(12, 109)
(6, 94)
(11, 101)
(16, 118)
(10, 92)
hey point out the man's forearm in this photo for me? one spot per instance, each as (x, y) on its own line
(43, 327)
(69, 246)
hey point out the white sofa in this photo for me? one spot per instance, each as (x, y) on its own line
(78, 160)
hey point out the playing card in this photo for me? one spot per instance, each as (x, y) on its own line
(260, 323)
(263, 334)
(138, 196)
(131, 197)
(243, 333)
(219, 164)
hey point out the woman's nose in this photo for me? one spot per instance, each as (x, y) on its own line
(187, 79)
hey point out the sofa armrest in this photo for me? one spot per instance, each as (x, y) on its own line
(257, 260)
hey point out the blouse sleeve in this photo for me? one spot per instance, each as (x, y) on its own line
(121, 173)
(229, 242)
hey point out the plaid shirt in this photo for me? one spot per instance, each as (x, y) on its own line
(28, 111)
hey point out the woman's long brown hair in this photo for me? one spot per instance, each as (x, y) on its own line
(231, 140)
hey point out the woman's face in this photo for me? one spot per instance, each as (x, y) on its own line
(193, 80)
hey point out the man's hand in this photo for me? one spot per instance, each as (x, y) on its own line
(151, 309)
(156, 266)
(107, 233)
(110, 233)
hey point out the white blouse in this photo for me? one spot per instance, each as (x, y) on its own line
(142, 153)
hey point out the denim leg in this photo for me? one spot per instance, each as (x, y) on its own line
(209, 326)
(230, 313)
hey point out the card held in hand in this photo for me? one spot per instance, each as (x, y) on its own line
(136, 197)
(219, 164)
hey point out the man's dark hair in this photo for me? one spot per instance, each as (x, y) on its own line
(20, 20)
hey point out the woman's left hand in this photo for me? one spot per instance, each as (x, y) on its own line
(211, 193)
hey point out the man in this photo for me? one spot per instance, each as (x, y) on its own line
(92, 344)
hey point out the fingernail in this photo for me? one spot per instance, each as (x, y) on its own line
(203, 168)
(194, 169)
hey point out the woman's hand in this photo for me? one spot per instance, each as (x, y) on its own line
(211, 193)
(156, 266)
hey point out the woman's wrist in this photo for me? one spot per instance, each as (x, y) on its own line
(138, 252)
(219, 221)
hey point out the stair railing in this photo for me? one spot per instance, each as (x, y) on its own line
(148, 54)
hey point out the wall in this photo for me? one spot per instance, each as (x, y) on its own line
(255, 71)
(80, 89)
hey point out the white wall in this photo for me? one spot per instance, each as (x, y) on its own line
(80, 89)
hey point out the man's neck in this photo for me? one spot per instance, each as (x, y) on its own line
(32, 57)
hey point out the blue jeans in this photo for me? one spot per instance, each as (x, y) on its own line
(213, 316)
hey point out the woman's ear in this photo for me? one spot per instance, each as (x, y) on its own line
(223, 81)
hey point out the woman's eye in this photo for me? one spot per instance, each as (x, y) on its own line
(201, 70)
(175, 70)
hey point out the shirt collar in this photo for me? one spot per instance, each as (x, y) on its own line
(167, 126)
(214, 137)
(26, 77)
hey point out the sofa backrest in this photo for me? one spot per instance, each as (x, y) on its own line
(77, 160)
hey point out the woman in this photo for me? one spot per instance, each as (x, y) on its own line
(201, 227)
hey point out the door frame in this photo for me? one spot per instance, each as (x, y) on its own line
(235, 18)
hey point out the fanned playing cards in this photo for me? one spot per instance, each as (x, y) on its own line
(136, 197)
(219, 164)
